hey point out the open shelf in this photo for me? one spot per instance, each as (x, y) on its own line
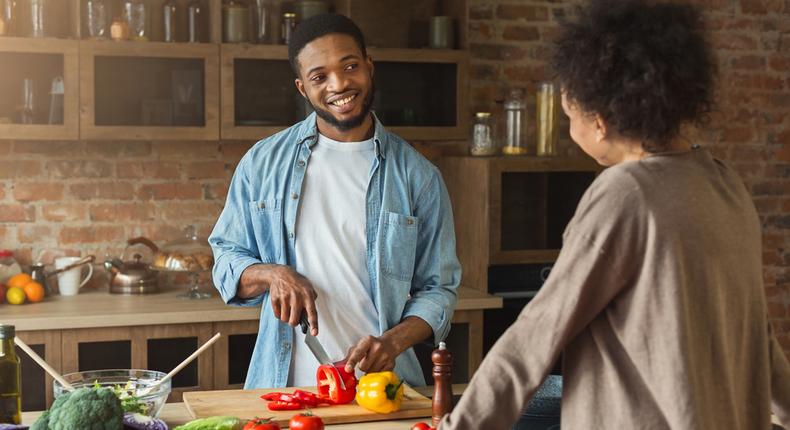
(149, 90)
(41, 61)
(260, 99)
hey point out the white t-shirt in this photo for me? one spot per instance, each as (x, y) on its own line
(331, 251)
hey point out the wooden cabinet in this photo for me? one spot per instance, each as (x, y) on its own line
(149, 90)
(232, 353)
(37, 384)
(41, 63)
(259, 97)
(512, 210)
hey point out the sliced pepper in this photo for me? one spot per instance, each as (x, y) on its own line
(307, 398)
(329, 387)
(278, 405)
(380, 392)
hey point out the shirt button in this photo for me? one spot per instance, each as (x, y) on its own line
(300, 163)
(294, 196)
(291, 234)
(286, 346)
(409, 221)
(262, 205)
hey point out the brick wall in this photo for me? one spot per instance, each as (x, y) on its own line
(509, 42)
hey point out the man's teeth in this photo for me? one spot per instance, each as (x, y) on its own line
(342, 102)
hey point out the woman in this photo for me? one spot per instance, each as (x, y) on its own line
(656, 299)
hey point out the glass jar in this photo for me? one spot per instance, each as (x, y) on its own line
(305, 9)
(262, 17)
(8, 265)
(32, 16)
(10, 378)
(169, 19)
(119, 30)
(288, 27)
(96, 17)
(515, 123)
(235, 22)
(196, 14)
(547, 112)
(9, 17)
(482, 142)
(135, 13)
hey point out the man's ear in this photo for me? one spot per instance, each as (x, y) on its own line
(600, 128)
(300, 87)
(369, 60)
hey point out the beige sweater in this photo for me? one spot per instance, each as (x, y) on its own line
(657, 302)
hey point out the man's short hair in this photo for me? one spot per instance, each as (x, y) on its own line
(318, 26)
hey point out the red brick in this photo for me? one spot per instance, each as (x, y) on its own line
(784, 153)
(149, 169)
(481, 12)
(114, 148)
(753, 7)
(234, 150)
(122, 212)
(491, 51)
(771, 188)
(32, 191)
(169, 191)
(49, 148)
(188, 211)
(92, 234)
(23, 256)
(780, 63)
(67, 169)
(757, 81)
(207, 169)
(17, 213)
(65, 211)
(4, 234)
(215, 191)
(776, 310)
(524, 73)
(2, 191)
(102, 190)
(484, 72)
(515, 32)
(19, 169)
(766, 205)
(5, 147)
(32, 233)
(771, 258)
(733, 41)
(180, 150)
(748, 62)
(481, 32)
(161, 233)
(530, 13)
(738, 134)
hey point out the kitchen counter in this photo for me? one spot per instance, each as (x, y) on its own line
(98, 308)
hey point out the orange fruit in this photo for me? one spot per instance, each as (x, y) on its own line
(34, 292)
(19, 280)
(15, 296)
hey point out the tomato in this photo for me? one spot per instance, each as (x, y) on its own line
(261, 424)
(306, 421)
(278, 405)
(422, 426)
(328, 380)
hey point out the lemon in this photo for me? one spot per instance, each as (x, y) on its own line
(15, 296)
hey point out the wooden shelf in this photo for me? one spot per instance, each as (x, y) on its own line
(68, 50)
(207, 53)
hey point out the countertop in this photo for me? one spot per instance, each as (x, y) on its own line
(98, 308)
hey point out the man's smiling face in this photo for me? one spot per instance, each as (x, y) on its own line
(337, 79)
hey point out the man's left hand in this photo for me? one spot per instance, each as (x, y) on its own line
(372, 354)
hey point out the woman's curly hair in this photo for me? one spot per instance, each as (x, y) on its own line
(644, 67)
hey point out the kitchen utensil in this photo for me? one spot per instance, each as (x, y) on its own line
(442, 32)
(315, 345)
(56, 101)
(69, 282)
(28, 108)
(183, 364)
(247, 403)
(77, 263)
(44, 365)
(38, 274)
(132, 277)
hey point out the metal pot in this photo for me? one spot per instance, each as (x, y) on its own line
(131, 277)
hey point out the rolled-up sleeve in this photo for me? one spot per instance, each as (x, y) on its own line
(437, 272)
(233, 240)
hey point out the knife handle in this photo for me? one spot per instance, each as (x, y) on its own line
(303, 323)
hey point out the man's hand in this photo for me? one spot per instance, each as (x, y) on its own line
(290, 293)
(376, 354)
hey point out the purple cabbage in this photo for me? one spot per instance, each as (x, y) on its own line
(135, 421)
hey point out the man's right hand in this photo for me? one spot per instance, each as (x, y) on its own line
(289, 292)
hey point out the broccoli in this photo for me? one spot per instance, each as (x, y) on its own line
(85, 409)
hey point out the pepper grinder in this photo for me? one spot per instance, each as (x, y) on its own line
(442, 386)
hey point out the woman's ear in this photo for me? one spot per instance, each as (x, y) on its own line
(600, 128)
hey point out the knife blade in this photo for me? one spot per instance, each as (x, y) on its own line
(314, 345)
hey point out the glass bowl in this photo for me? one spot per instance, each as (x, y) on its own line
(125, 383)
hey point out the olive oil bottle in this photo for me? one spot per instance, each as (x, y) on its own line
(10, 378)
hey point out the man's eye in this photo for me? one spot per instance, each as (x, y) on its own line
(317, 78)
(352, 66)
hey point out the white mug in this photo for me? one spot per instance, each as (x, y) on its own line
(69, 283)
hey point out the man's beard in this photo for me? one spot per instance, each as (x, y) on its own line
(350, 123)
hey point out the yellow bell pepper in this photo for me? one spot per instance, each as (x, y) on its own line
(380, 392)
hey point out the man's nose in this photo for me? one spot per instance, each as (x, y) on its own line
(337, 82)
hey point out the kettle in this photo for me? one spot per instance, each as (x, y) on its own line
(131, 277)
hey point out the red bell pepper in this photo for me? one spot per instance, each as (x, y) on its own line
(329, 387)
(307, 398)
(278, 405)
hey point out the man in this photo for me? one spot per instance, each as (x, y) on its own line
(340, 219)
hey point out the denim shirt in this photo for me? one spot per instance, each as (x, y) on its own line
(411, 257)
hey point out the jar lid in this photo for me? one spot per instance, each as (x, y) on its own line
(289, 15)
(7, 331)
(482, 114)
(6, 253)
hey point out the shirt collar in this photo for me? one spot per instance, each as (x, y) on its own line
(308, 131)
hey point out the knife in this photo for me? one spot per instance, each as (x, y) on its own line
(315, 346)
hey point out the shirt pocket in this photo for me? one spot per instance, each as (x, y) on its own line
(398, 245)
(267, 225)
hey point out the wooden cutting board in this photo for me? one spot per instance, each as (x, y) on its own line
(247, 404)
